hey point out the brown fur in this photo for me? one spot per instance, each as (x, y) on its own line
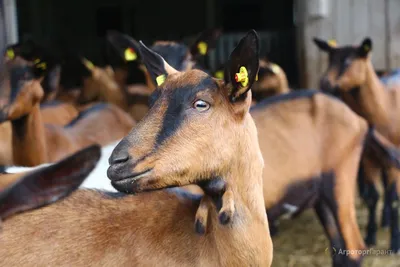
(55, 115)
(156, 228)
(32, 190)
(35, 142)
(271, 83)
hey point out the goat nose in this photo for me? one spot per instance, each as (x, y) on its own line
(120, 154)
(118, 158)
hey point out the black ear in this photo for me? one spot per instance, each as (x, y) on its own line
(323, 45)
(48, 184)
(155, 64)
(365, 47)
(242, 67)
(206, 41)
(126, 46)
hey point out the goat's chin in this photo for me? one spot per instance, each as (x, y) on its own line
(145, 183)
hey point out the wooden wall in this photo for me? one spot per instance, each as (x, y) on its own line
(348, 22)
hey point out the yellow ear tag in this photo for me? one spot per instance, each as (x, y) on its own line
(202, 46)
(160, 79)
(88, 64)
(130, 54)
(10, 53)
(219, 74)
(257, 77)
(275, 68)
(332, 43)
(42, 65)
(242, 76)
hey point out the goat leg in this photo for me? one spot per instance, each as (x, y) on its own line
(217, 192)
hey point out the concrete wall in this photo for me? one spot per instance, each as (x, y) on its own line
(348, 21)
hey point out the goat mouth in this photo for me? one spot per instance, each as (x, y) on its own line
(128, 181)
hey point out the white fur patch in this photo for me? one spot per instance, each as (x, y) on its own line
(97, 179)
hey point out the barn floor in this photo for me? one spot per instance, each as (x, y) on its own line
(301, 242)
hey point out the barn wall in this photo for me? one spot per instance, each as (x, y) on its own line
(74, 22)
(348, 22)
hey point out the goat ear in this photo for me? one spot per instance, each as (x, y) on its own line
(155, 64)
(242, 67)
(365, 48)
(126, 46)
(49, 184)
(323, 45)
(88, 64)
(206, 41)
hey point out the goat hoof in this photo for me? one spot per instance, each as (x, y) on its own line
(224, 217)
(199, 227)
(370, 240)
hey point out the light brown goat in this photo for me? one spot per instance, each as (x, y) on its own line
(34, 142)
(156, 228)
(351, 76)
(318, 180)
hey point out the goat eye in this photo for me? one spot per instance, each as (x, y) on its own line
(201, 105)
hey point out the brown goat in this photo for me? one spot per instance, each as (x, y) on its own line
(155, 228)
(315, 177)
(297, 183)
(351, 76)
(312, 183)
(53, 112)
(34, 142)
(28, 191)
(271, 81)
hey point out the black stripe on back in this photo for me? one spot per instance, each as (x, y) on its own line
(303, 93)
(86, 112)
(51, 103)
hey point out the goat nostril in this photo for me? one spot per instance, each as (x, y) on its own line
(118, 158)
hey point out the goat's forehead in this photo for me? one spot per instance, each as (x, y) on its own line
(182, 86)
(344, 52)
(193, 80)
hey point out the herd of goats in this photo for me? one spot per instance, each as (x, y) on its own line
(201, 164)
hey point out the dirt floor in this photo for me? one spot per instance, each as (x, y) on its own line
(301, 242)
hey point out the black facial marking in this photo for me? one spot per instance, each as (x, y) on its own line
(341, 58)
(174, 54)
(154, 97)
(179, 100)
